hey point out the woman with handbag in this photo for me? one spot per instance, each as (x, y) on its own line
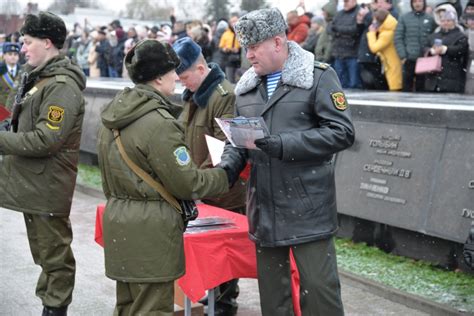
(469, 18)
(449, 42)
(145, 167)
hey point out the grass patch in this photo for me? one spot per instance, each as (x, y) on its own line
(89, 176)
(455, 289)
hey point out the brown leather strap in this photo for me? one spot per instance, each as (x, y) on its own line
(145, 176)
(19, 98)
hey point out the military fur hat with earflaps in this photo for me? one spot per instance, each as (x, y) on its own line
(259, 25)
(150, 59)
(45, 25)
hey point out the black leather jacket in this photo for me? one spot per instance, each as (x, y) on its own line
(293, 200)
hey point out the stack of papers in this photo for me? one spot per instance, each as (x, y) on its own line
(209, 223)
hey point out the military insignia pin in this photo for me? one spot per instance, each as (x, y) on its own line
(339, 100)
(182, 156)
(55, 114)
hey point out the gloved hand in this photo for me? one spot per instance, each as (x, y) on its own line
(232, 174)
(271, 145)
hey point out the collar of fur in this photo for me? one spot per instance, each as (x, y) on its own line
(297, 71)
(204, 92)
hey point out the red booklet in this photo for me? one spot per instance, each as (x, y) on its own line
(4, 113)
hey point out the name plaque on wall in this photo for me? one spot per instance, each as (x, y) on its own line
(412, 177)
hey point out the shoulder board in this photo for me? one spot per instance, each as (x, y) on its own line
(165, 113)
(61, 78)
(321, 65)
(221, 90)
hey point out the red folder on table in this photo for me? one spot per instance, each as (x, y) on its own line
(4, 113)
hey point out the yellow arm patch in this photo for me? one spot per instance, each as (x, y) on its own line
(54, 128)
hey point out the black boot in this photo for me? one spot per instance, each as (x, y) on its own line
(54, 311)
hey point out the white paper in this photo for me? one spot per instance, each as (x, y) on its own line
(216, 148)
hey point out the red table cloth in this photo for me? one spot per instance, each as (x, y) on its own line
(214, 257)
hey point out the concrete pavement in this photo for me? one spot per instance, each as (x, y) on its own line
(95, 294)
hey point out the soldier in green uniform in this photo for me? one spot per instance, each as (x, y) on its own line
(143, 233)
(208, 95)
(9, 70)
(39, 170)
(9, 76)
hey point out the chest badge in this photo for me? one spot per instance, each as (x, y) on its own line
(339, 101)
(55, 114)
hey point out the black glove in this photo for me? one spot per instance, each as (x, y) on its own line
(232, 175)
(271, 145)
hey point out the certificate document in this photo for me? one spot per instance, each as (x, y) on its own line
(243, 131)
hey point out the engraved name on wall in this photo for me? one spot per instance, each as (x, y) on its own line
(388, 164)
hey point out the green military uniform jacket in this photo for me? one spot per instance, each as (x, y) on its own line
(7, 83)
(39, 170)
(214, 98)
(143, 234)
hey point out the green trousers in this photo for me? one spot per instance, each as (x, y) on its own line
(320, 290)
(145, 299)
(50, 240)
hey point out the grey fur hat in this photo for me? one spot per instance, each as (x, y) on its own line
(259, 25)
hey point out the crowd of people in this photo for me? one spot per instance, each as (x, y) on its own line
(151, 155)
(371, 46)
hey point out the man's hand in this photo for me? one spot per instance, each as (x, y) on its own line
(271, 145)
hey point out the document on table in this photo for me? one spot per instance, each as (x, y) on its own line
(243, 131)
(216, 148)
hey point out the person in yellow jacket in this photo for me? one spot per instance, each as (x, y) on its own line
(380, 38)
(230, 47)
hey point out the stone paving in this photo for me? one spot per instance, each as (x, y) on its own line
(94, 294)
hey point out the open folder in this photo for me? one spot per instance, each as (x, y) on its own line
(243, 131)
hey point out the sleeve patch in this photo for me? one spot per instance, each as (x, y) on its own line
(55, 114)
(182, 156)
(339, 100)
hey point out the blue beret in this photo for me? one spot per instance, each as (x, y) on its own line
(11, 47)
(188, 52)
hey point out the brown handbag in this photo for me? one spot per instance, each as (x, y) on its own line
(428, 64)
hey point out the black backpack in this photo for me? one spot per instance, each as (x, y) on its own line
(469, 248)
